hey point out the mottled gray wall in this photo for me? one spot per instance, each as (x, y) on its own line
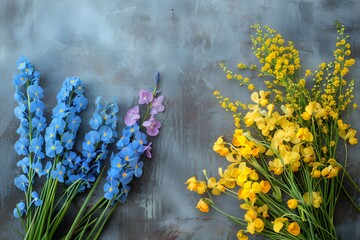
(117, 46)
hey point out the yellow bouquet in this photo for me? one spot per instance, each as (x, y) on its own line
(284, 164)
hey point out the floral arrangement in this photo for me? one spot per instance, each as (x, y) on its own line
(69, 173)
(284, 164)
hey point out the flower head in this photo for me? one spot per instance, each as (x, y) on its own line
(202, 206)
(294, 229)
(152, 126)
(132, 116)
(146, 97)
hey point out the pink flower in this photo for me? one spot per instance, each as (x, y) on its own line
(157, 105)
(152, 126)
(145, 97)
(132, 116)
(148, 149)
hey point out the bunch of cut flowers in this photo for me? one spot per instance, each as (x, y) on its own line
(54, 174)
(284, 159)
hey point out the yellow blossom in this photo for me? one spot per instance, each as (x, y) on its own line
(219, 147)
(202, 206)
(294, 229)
(304, 134)
(278, 224)
(217, 187)
(292, 203)
(265, 186)
(240, 235)
(316, 199)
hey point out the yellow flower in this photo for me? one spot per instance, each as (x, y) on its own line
(202, 206)
(258, 225)
(197, 186)
(276, 166)
(263, 210)
(192, 184)
(219, 147)
(292, 203)
(353, 141)
(278, 224)
(305, 135)
(306, 116)
(240, 235)
(250, 215)
(265, 186)
(217, 187)
(294, 228)
(316, 199)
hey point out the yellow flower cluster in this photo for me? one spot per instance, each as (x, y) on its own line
(291, 151)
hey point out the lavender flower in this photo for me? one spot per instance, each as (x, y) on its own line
(132, 116)
(146, 97)
(152, 126)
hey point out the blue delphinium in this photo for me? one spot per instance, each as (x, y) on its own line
(61, 133)
(30, 109)
(94, 147)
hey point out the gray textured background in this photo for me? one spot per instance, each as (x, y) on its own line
(116, 47)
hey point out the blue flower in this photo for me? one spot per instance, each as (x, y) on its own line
(50, 134)
(123, 142)
(21, 182)
(129, 156)
(138, 169)
(37, 107)
(68, 138)
(18, 95)
(59, 125)
(36, 145)
(141, 137)
(21, 146)
(39, 123)
(23, 129)
(73, 122)
(47, 168)
(22, 62)
(59, 172)
(96, 121)
(124, 192)
(36, 199)
(35, 92)
(129, 131)
(117, 162)
(24, 164)
(91, 138)
(111, 189)
(37, 167)
(69, 159)
(80, 103)
(19, 111)
(20, 210)
(126, 176)
(63, 94)
(105, 133)
(53, 148)
(113, 173)
(60, 111)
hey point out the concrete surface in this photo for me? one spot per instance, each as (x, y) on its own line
(116, 47)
